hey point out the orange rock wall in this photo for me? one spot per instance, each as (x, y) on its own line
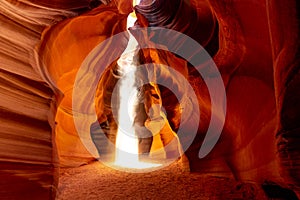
(258, 58)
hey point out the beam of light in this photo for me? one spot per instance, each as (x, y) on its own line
(136, 2)
(127, 142)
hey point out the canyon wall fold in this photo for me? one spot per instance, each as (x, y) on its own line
(255, 45)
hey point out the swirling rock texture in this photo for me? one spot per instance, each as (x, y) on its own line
(28, 154)
(255, 45)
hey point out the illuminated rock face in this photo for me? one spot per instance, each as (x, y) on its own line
(258, 57)
(28, 154)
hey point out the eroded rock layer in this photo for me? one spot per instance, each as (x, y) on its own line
(28, 160)
(256, 51)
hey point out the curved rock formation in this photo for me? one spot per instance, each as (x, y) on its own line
(256, 49)
(28, 154)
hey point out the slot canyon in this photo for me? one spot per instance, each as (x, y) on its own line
(206, 94)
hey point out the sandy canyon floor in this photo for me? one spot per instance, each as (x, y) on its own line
(97, 181)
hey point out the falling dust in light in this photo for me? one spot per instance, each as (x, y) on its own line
(127, 142)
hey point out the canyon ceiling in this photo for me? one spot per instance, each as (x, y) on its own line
(254, 43)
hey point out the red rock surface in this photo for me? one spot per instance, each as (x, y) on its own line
(258, 57)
